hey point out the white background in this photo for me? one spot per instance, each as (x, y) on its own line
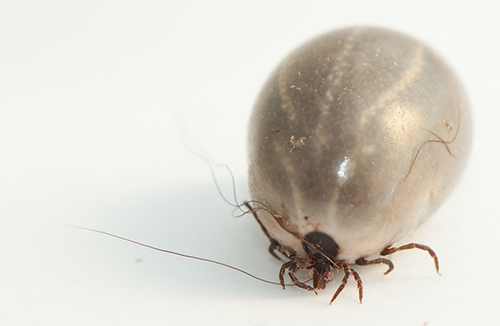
(92, 94)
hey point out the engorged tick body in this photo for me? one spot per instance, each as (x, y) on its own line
(356, 138)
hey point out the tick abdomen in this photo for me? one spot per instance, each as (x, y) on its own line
(337, 128)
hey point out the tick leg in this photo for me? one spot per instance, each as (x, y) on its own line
(389, 250)
(273, 247)
(364, 262)
(291, 272)
(274, 244)
(283, 269)
(347, 273)
(254, 213)
(357, 278)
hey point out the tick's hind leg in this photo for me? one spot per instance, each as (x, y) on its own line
(364, 262)
(389, 250)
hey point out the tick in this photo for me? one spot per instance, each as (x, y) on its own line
(355, 140)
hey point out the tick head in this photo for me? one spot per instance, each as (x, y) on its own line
(322, 251)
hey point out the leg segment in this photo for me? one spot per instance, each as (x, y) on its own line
(291, 272)
(283, 269)
(292, 268)
(359, 283)
(347, 273)
(273, 247)
(364, 262)
(389, 250)
(274, 244)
